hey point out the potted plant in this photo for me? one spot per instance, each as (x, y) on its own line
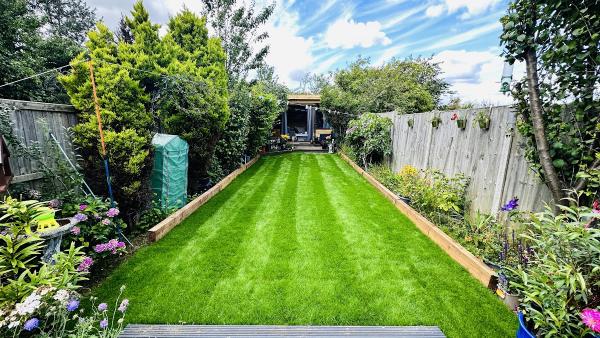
(461, 121)
(411, 122)
(557, 281)
(483, 119)
(436, 120)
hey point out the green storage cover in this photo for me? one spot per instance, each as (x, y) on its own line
(169, 174)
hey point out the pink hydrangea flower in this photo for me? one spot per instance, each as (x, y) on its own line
(76, 230)
(112, 212)
(85, 264)
(106, 221)
(591, 318)
(113, 246)
(82, 207)
(79, 217)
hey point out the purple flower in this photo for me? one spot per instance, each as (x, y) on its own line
(79, 217)
(511, 205)
(123, 306)
(591, 318)
(76, 230)
(72, 305)
(85, 264)
(103, 324)
(82, 207)
(102, 307)
(112, 212)
(31, 324)
(113, 246)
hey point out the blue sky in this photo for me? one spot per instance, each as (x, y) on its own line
(320, 36)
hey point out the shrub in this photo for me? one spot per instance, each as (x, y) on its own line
(50, 311)
(369, 136)
(263, 113)
(563, 275)
(126, 122)
(193, 102)
(96, 221)
(21, 270)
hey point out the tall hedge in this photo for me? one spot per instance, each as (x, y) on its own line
(127, 124)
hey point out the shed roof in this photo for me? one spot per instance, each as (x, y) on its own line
(303, 99)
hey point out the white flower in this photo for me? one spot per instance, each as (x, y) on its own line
(61, 296)
(12, 325)
(29, 305)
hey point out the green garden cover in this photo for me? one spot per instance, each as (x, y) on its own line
(169, 174)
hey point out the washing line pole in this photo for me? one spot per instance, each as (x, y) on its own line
(104, 157)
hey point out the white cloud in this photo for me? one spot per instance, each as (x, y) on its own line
(475, 76)
(464, 37)
(290, 53)
(471, 7)
(346, 33)
(402, 16)
(433, 11)
(324, 66)
(388, 54)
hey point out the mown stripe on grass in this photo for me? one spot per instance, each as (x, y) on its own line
(303, 239)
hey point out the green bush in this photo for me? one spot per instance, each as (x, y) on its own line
(126, 122)
(21, 270)
(369, 136)
(563, 274)
(193, 102)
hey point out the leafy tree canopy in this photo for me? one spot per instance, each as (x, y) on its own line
(238, 24)
(38, 35)
(406, 86)
(558, 102)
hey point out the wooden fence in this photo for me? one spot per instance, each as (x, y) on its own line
(492, 159)
(27, 118)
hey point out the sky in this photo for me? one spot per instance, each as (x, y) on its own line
(319, 36)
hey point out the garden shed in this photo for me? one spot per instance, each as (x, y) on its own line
(169, 173)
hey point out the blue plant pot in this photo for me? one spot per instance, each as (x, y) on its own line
(522, 332)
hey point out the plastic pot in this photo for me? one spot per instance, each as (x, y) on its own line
(462, 124)
(411, 123)
(435, 124)
(523, 332)
(484, 124)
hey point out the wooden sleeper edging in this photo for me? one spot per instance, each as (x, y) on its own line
(476, 267)
(161, 229)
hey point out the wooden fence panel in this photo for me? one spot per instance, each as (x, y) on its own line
(492, 159)
(28, 118)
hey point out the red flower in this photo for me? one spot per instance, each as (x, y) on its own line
(454, 117)
(596, 205)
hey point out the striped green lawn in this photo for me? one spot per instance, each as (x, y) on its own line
(303, 239)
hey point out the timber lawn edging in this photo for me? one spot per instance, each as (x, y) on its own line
(476, 267)
(161, 229)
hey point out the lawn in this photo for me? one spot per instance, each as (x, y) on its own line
(303, 239)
